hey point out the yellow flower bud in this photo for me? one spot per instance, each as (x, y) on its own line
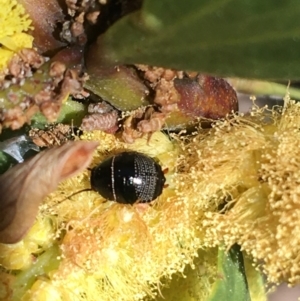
(40, 236)
(16, 256)
(14, 22)
(42, 291)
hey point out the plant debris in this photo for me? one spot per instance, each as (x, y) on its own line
(20, 194)
(44, 90)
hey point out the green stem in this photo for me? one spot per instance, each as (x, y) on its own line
(45, 263)
(257, 87)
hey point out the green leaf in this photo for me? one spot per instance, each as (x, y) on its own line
(257, 87)
(121, 87)
(256, 284)
(232, 283)
(218, 275)
(5, 162)
(197, 282)
(44, 264)
(258, 39)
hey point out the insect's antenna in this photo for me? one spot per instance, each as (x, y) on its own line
(71, 195)
(168, 130)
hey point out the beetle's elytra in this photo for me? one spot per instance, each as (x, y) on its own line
(128, 177)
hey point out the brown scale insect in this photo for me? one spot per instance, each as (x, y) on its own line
(101, 116)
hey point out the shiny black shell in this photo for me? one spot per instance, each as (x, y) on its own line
(128, 177)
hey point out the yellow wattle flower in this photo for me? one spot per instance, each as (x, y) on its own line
(262, 212)
(246, 167)
(114, 251)
(14, 23)
(87, 249)
(109, 251)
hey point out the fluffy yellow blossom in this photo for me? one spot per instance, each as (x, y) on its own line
(14, 22)
(261, 212)
(108, 250)
(114, 250)
(20, 256)
(235, 183)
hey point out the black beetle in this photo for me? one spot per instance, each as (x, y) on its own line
(128, 177)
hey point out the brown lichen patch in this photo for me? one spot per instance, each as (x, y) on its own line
(57, 70)
(161, 80)
(73, 81)
(30, 85)
(154, 74)
(21, 66)
(31, 57)
(82, 13)
(166, 95)
(14, 118)
(152, 122)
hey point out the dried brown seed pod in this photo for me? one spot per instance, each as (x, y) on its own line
(206, 96)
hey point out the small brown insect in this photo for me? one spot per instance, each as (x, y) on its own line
(52, 135)
(129, 134)
(141, 123)
(153, 124)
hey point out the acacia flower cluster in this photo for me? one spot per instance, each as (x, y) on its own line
(14, 25)
(235, 183)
